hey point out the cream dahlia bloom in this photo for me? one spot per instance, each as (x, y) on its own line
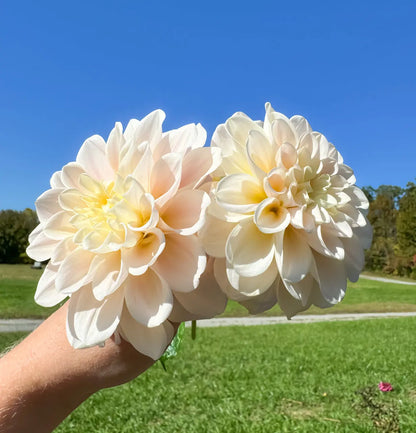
(287, 224)
(119, 227)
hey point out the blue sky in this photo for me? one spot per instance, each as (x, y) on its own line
(69, 70)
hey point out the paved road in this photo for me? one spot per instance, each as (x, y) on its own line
(387, 280)
(306, 318)
(26, 325)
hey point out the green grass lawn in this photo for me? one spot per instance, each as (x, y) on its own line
(18, 284)
(17, 288)
(285, 378)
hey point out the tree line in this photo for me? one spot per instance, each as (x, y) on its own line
(392, 214)
(15, 227)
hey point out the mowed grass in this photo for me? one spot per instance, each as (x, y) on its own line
(18, 285)
(285, 378)
(17, 289)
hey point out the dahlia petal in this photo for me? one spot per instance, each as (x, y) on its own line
(58, 227)
(260, 152)
(147, 216)
(114, 144)
(322, 241)
(41, 247)
(283, 132)
(62, 250)
(89, 186)
(94, 240)
(262, 302)
(148, 298)
(131, 131)
(165, 177)
(73, 271)
(301, 290)
(339, 226)
(46, 294)
(365, 235)
(124, 212)
(271, 216)
(71, 173)
(71, 199)
(35, 232)
(220, 273)
(320, 214)
(354, 257)
(301, 125)
(342, 197)
(301, 219)
(252, 286)
(182, 262)
(294, 257)
(201, 137)
(249, 250)
(185, 212)
(286, 155)
(214, 235)
(143, 168)
(289, 305)
(131, 156)
(151, 342)
(107, 274)
(144, 253)
(280, 131)
(150, 128)
(94, 321)
(239, 126)
(56, 180)
(354, 216)
(197, 164)
(206, 301)
(323, 145)
(133, 192)
(347, 173)
(358, 198)
(239, 193)
(332, 278)
(187, 137)
(47, 204)
(93, 158)
(233, 153)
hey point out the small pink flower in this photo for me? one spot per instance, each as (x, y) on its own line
(385, 387)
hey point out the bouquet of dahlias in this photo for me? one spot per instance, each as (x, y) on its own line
(149, 228)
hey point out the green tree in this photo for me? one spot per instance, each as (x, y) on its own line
(382, 215)
(406, 222)
(15, 228)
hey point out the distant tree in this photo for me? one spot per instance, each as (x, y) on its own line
(15, 227)
(406, 222)
(382, 215)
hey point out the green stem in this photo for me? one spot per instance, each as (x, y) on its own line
(193, 329)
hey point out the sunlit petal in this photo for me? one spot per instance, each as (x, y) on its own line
(148, 298)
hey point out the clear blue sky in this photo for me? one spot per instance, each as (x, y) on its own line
(71, 69)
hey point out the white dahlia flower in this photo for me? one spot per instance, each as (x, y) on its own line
(119, 227)
(287, 224)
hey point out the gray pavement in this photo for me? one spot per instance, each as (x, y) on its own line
(18, 325)
(387, 280)
(27, 325)
(306, 318)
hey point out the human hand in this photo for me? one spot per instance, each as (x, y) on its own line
(43, 379)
